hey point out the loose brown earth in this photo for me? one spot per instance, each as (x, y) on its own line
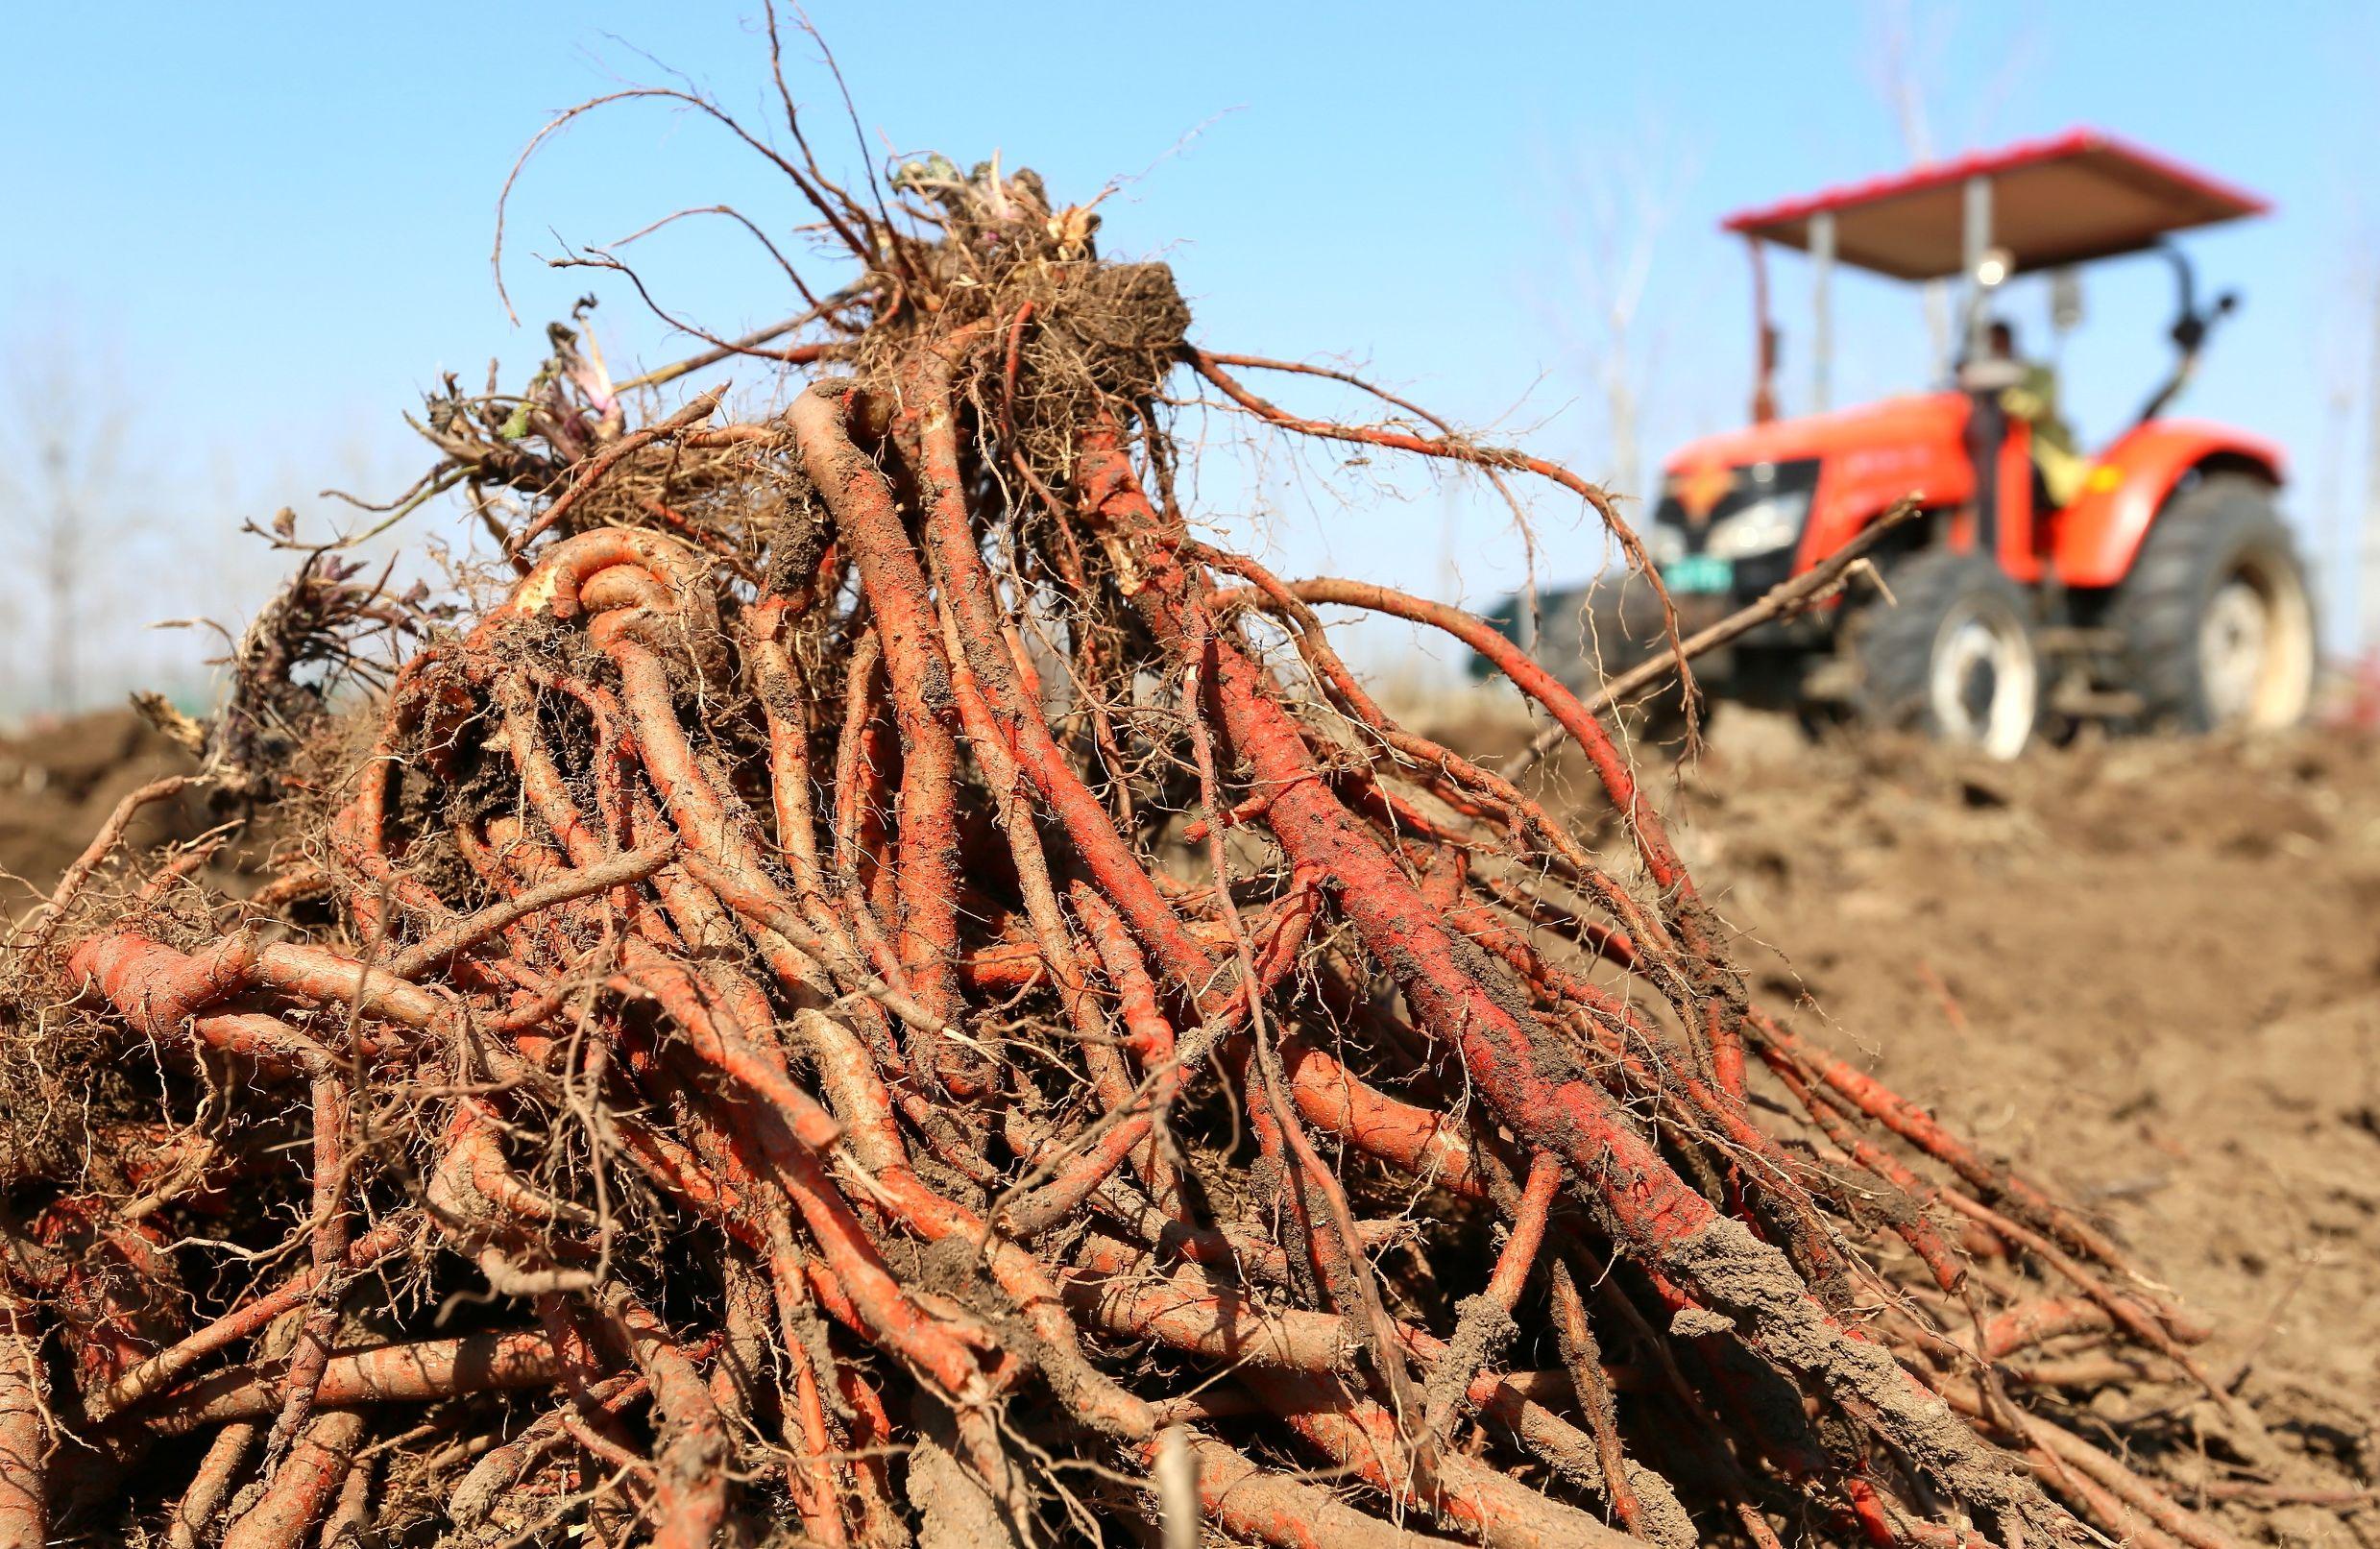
(2147, 969)
(58, 782)
(2163, 954)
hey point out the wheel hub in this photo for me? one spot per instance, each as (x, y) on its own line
(1982, 687)
(2256, 650)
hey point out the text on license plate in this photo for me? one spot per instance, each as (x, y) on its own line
(1699, 572)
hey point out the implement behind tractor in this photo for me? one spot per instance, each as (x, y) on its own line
(2152, 584)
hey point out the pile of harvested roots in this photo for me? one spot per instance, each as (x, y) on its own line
(886, 994)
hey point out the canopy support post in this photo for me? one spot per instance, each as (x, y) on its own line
(1977, 240)
(1822, 311)
(1764, 337)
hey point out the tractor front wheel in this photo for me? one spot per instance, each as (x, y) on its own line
(1951, 655)
(2217, 619)
(1617, 627)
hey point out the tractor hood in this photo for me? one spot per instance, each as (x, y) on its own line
(1799, 489)
(1885, 432)
(1740, 512)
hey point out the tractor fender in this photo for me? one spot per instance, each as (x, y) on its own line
(2101, 532)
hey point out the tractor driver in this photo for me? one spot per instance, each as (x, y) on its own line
(2033, 399)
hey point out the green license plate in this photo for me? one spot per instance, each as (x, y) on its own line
(1700, 573)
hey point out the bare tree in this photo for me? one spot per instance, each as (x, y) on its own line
(66, 483)
(2347, 365)
(2332, 510)
(1908, 66)
(2367, 570)
(1905, 66)
(1612, 216)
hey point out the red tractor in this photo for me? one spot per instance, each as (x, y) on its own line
(2152, 584)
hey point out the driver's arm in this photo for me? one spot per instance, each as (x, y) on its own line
(2035, 397)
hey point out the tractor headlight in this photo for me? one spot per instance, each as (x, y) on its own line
(1771, 522)
(1665, 542)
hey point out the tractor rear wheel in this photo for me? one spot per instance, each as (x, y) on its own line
(1951, 655)
(2217, 619)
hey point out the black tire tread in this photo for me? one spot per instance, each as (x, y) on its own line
(1896, 645)
(2158, 604)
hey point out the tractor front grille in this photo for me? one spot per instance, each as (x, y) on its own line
(1789, 484)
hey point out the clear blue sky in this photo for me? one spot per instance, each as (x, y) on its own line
(273, 220)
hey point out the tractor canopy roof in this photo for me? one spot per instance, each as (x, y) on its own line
(2076, 196)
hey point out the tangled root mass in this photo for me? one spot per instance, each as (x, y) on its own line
(884, 989)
